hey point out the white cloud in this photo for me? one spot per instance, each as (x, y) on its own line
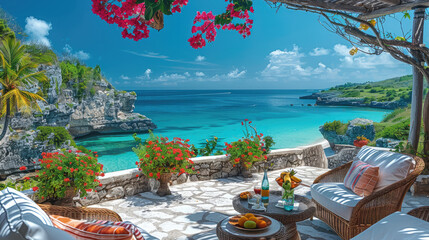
(81, 55)
(200, 58)
(289, 65)
(364, 61)
(319, 52)
(124, 77)
(236, 73)
(148, 72)
(37, 31)
(199, 74)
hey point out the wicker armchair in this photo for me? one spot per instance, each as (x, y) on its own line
(82, 213)
(421, 212)
(370, 209)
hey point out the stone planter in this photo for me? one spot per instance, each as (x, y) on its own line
(245, 172)
(163, 187)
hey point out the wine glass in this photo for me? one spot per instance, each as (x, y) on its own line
(257, 188)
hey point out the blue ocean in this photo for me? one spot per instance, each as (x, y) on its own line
(202, 114)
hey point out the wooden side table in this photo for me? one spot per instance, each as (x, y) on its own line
(225, 231)
(306, 210)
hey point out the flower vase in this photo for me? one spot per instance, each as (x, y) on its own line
(163, 189)
(288, 198)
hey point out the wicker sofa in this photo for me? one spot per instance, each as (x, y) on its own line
(355, 214)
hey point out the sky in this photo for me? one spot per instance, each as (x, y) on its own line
(286, 50)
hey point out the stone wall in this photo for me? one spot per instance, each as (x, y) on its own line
(126, 183)
(344, 154)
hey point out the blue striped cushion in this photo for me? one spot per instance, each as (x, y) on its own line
(361, 178)
(15, 207)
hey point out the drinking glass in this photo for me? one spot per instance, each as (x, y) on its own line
(257, 189)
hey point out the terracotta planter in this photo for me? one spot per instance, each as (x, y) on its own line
(163, 189)
(360, 143)
(70, 193)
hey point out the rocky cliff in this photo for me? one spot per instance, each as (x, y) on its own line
(357, 127)
(103, 110)
(106, 110)
(334, 99)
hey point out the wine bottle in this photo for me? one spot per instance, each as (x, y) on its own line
(265, 193)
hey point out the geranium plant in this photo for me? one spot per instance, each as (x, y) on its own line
(360, 141)
(65, 170)
(253, 147)
(161, 157)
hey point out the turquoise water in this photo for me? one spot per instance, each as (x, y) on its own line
(201, 114)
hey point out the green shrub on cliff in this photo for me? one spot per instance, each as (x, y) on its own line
(60, 135)
(339, 127)
(396, 131)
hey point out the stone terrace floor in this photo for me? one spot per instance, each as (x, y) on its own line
(194, 208)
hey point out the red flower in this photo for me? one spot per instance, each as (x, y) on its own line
(150, 174)
(137, 175)
(137, 163)
(147, 155)
(66, 180)
(158, 175)
(237, 160)
(84, 184)
(250, 153)
(35, 189)
(23, 168)
(100, 184)
(70, 151)
(27, 178)
(60, 168)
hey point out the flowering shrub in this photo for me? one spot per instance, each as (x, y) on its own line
(251, 148)
(59, 171)
(208, 148)
(158, 155)
(361, 141)
(134, 17)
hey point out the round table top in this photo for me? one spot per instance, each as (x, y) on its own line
(225, 230)
(306, 208)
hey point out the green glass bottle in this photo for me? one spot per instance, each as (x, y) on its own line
(265, 193)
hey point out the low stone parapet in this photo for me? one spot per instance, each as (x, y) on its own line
(129, 182)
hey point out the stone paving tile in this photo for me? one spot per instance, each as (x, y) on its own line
(194, 208)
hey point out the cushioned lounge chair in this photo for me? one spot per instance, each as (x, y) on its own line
(349, 214)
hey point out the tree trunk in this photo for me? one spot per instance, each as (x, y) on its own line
(6, 121)
(417, 94)
(426, 125)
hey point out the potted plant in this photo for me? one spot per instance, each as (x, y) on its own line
(252, 148)
(360, 141)
(64, 174)
(160, 158)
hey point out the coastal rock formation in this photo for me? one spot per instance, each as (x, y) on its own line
(357, 127)
(103, 110)
(387, 142)
(334, 99)
(22, 149)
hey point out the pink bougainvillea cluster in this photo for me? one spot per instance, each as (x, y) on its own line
(129, 15)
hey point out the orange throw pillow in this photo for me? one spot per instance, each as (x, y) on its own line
(83, 230)
(361, 178)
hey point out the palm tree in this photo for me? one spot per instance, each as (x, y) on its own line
(17, 71)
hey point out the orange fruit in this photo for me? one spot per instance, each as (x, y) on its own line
(261, 224)
(249, 215)
(242, 220)
(253, 219)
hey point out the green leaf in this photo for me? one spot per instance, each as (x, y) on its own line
(400, 38)
(406, 15)
(148, 14)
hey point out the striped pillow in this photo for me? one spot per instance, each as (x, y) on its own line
(361, 178)
(96, 230)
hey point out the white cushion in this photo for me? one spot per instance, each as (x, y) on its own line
(335, 197)
(397, 226)
(393, 166)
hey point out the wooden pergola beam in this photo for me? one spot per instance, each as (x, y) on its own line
(393, 2)
(393, 9)
(323, 4)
